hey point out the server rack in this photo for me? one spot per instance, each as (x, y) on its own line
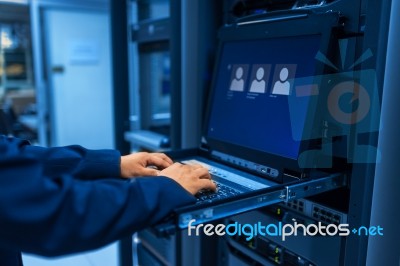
(365, 32)
(365, 29)
(154, 63)
(165, 110)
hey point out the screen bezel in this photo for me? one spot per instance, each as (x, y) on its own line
(310, 24)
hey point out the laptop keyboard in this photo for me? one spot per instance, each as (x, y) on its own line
(232, 177)
(222, 192)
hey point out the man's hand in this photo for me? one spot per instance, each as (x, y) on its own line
(143, 164)
(191, 177)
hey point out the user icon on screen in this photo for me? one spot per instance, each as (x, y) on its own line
(237, 83)
(258, 84)
(282, 86)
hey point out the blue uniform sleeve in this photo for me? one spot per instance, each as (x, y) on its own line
(75, 160)
(58, 214)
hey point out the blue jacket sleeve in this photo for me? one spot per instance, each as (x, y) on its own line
(56, 214)
(75, 160)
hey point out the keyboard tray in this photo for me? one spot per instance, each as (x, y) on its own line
(209, 212)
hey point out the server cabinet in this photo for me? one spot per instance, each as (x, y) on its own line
(360, 47)
(170, 54)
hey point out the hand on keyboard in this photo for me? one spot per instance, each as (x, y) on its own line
(193, 178)
(221, 192)
(143, 164)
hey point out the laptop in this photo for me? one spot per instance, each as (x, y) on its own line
(261, 108)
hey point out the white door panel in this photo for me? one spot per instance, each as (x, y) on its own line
(79, 69)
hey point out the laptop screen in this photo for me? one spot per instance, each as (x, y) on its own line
(255, 79)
